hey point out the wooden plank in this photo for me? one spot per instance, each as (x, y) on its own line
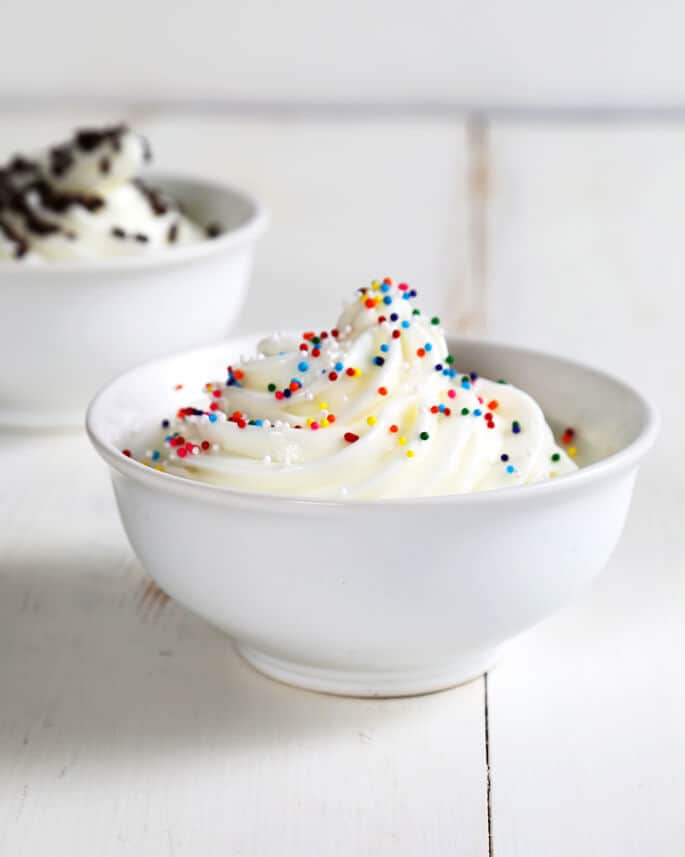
(527, 53)
(129, 726)
(585, 712)
(351, 200)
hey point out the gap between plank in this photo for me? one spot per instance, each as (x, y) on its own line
(488, 780)
(468, 312)
(479, 191)
(30, 102)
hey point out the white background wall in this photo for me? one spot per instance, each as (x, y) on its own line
(495, 52)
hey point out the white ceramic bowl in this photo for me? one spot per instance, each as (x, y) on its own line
(67, 328)
(387, 597)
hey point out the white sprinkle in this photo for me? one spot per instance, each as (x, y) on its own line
(267, 459)
(343, 491)
(309, 397)
(215, 447)
(196, 451)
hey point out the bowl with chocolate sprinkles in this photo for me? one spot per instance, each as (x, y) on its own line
(105, 264)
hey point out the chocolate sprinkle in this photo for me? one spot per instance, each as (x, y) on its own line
(20, 164)
(158, 203)
(21, 247)
(63, 157)
(61, 160)
(29, 196)
(60, 201)
(34, 223)
(88, 139)
(25, 192)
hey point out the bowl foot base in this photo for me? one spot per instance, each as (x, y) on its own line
(370, 683)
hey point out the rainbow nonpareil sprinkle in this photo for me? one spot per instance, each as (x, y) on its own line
(380, 380)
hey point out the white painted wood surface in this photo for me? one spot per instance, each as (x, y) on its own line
(586, 712)
(129, 727)
(350, 200)
(528, 53)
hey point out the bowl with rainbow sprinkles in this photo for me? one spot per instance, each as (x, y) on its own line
(377, 508)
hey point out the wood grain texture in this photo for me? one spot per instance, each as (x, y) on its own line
(583, 226)
(586, 712)
(128, 726)
(350, 200)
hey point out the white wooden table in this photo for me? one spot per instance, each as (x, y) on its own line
(129, 727)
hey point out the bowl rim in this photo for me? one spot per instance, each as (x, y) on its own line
(255, 225)
(614, 463)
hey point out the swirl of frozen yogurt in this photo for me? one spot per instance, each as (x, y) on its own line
(372, 408)
(83, 200)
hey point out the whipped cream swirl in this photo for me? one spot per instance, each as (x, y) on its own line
(83, 200)
(373, 408)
